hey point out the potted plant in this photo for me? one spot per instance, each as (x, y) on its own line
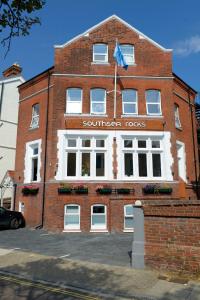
(64, 188)
(123, 191)
(30, 190)
(150, 189)
(81, 189)
(104, 189)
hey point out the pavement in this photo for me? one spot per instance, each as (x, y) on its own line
(107, 281)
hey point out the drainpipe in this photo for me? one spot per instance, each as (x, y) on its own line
(1, 97)
(193, 141)
(45, 156)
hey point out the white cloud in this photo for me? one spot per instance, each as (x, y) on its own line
(188, 46)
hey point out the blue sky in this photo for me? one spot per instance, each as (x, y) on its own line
(172, 23)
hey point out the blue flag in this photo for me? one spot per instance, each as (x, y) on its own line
(119, 57)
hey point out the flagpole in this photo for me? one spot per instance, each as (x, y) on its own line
(115, 91)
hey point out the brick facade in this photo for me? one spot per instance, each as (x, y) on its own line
(73, 67)
(175, 246)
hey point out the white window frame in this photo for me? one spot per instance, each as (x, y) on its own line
(35, 117)
(21, 207)
(181, 160)
(128, 229)
(97, 102)
(99, 227)
(106, 54)
(153, 103)
(132, 62)
(70, 226)
(177, 116)
(125, 102)
(28, 161)
(69, 111)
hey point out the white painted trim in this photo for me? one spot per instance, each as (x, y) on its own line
(111, 76)
(72, 228)
(8, 80)
(67, 101)
(105, 102)
(154, 103)
(143, 116)
(123, 22)
(66, 230)
(124, 102)
(106, 55)
(99, 230)
(183, 167)
(27, 162)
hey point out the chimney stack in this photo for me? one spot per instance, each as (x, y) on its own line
(14, 70)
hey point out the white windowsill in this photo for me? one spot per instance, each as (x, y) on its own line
(71, 230)
(100, 63)
(85, 115)
(99, 230)
(141, 116)
(128, 230)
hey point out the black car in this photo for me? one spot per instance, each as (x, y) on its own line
(11, 219)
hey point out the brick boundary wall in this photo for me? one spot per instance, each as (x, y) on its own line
(172, 235)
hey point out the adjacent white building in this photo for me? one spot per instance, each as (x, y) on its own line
(9, 103)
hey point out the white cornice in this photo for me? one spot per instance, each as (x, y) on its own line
(123, 22)
(17, 78)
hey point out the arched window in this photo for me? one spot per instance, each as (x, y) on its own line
(98, 101)
(100, 53)
(98, 216)
(72, 216)
(128, 217)
(74, 101)
(129, 102)
(153, 102)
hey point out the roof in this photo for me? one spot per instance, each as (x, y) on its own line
(184, 83)
(123, 22)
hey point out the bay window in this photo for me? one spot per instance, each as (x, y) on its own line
(86, 157)
(129, 101)
(142, 157)
(153, 102)
(74, 101)
(98, 101)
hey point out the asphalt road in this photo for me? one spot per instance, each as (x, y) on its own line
(14, 288)
(111, 249)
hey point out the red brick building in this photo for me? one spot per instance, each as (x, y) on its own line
(87, 159)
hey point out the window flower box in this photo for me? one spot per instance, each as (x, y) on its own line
(156, 189)
(165, 190)
(123, 191)
(30, 190)
(81, 189)
(64, 190)
(104, 190)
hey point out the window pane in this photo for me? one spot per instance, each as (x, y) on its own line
(100, 48)
(99, 209)
(129, 210)
(142, 162)
(74, 107)
(71, 143)
(98, 220)
(153, 108)
(129, 95)
(74, 94)
(98, 95)
(128, 144)
(129, 222)
(34, 168)
(126, 49)
(155, 144)
(85, 143)
(98, 108)
(36, 109)
(35, 150)
(72, 220)
(156, 165)
(128, 164)
(153, 96)
(72, 209)
(129, 108)
(85, 168)
(142, 144)
(99, 57)
(71, 164)
(100, 164)
(100, 143)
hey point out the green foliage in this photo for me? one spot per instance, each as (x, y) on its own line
(16, 18)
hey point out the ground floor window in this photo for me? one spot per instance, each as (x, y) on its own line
(72, 216)
(98, 216)
(21, 207)
(128, 217)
